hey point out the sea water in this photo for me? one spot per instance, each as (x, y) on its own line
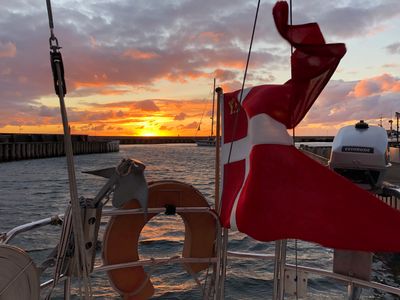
(35, 189)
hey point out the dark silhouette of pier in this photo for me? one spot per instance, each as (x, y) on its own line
(189, 139)
(18, 146)
(32, 146)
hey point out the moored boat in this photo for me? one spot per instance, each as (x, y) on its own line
(208, 142)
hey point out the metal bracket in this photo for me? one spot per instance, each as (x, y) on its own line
(296, 283)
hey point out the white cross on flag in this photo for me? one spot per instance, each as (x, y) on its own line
(271, 190)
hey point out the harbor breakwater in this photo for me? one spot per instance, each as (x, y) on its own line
(32, 146)
(129, 140)
(17, 146)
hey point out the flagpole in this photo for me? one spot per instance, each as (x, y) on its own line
(220, 96)
(279, 270)
(281, 245)
(223, 239)
(213, 105)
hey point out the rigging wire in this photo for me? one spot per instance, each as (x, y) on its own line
(294, 143)
(223, 248)
(240, 103)
(74, 218)
(204, 110)
(225, 237)
(244, 79)
(201, 119)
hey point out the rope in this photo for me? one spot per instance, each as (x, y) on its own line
(206, 291)
(66, 233)
(244, 78)
(19, 276)
(294, 143)
(60, 89)
(225, 237)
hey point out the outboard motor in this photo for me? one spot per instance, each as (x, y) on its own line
(360, 153)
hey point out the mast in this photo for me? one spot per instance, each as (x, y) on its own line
(212, 114)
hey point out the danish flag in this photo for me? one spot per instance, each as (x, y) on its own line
(271, 190)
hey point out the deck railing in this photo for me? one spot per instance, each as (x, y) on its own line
(351, 282)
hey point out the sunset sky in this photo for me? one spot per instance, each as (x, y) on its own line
(147, 67)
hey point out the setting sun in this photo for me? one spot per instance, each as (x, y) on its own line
(147, 133)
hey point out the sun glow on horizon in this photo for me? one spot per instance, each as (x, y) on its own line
(148, 133)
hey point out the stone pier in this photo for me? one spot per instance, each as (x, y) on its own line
(23, 146)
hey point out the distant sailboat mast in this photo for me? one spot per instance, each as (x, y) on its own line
(210, 141)
(212, 111)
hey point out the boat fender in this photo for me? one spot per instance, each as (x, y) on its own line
(121, 237)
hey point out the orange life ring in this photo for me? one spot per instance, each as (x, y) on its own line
(120, 242)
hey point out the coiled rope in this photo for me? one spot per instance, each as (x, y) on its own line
(19, 277)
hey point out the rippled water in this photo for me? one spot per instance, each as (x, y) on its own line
(35, 189)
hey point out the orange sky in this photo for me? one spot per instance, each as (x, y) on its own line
(136, 69)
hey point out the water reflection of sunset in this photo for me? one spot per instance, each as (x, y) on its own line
(163, 237)
(172, 229)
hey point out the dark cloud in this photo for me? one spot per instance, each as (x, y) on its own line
(192, 125)
(166, 128)
(347, 19)
(394, 48)
(112, 128)
(224, 75)
(180, 117)
(146, 105)
(119, 114)
(45, 111)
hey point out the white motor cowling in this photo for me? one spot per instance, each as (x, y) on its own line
(360, 153)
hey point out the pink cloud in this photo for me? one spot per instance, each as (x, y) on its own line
(140, 55)
(211, 37)
(365, 88)
(7, 49)
(375, 85)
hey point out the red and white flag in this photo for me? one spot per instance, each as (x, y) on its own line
(271, 190)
